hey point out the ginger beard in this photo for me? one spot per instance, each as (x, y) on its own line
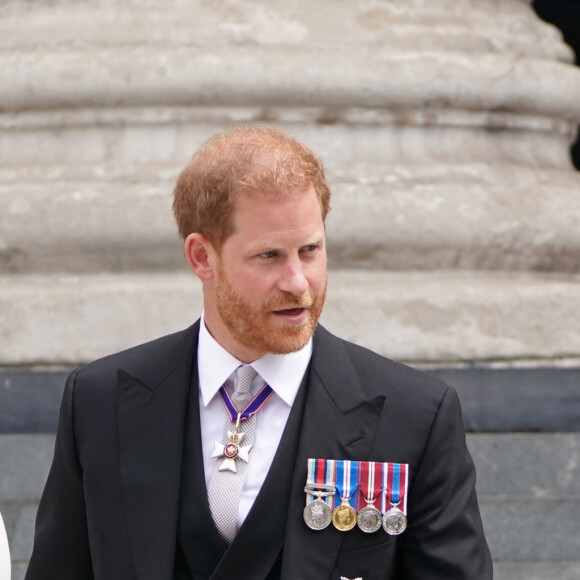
(257, 328)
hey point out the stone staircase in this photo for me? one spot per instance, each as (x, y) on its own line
(453, 237)
(529, 488)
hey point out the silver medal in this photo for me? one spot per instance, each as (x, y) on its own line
(317, 514)
(394, 522)
(369, 519)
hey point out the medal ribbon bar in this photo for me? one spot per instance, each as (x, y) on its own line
(321, 477)
(371, 484)
(346, 482)
(369, 517)
(395, 483)
(347, 485)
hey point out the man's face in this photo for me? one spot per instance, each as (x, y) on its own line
(270, 277)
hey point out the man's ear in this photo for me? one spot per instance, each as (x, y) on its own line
(200, 255)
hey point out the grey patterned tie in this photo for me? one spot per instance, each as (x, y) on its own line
(225, 486)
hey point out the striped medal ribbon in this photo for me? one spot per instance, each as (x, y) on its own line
(395, 483)
(369, 518)
(320, 490)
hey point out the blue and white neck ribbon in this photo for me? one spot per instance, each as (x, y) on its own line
(346, 482)
(251, 408)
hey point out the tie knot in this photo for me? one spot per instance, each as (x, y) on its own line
(245, 376)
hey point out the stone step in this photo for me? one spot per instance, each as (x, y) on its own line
(524, 529)
(409, 316)
(152, 134)
(278, 76)
(24, 464)
(279, 56)
(508, 399)
(394, 26)
(529, 494)
(537, 570)
(527, 465)
(391, 218)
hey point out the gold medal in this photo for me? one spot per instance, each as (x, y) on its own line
(344, 517)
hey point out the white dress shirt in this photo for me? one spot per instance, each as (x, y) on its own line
(4, 553)
(283, 373)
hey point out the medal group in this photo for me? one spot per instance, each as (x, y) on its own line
(348, 493)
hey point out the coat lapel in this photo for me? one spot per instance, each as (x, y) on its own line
(339, 423)
(201, 545)
(153, 393)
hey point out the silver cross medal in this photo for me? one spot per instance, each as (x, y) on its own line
(232, 450)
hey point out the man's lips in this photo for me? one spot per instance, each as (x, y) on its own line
(295, 314)
(290, 311)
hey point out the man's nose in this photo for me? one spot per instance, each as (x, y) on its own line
(293, 278)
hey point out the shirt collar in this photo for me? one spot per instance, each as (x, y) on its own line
(283, 372)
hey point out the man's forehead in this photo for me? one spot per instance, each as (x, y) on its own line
(272, 190)
(247, 204)
(247, 198)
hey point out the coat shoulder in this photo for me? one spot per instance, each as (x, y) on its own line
(376, 374)
(149, 362)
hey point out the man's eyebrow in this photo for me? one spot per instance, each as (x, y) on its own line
(268, 246)
(318, 241)
(264, 246)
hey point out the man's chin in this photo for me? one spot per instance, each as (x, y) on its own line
(291, 338)
(286, 347)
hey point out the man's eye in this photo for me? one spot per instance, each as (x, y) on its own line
(270, 254)
(310, 248)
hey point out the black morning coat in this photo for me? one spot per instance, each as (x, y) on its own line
(126, 498)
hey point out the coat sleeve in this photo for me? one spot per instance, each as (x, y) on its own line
(61, 546)
(445, 538)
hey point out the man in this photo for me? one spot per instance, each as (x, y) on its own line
(165, 468)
